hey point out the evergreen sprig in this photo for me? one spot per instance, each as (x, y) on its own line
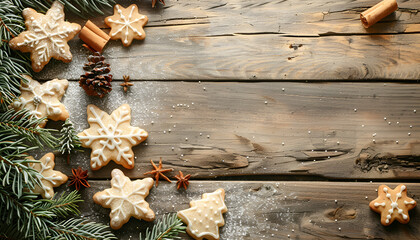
(44, 219)
(68, 140)
(168, 227)
(22, 214)
(25, 126)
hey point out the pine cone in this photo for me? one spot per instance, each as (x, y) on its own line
(96, 81)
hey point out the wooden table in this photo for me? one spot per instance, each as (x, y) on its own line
(287, 105)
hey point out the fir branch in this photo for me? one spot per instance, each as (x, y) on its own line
(15, 174)
(80, 229)
(168, 227)
(18, 211)
(82, 8)
(25, 126)
(68, 141)
(63, 206)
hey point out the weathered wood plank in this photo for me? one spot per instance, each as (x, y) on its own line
(274, 210)
(266, 129)
(254, 40)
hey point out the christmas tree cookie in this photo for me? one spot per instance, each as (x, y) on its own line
(46, 36)
(111, 137)
(126, 199)
(205, 216)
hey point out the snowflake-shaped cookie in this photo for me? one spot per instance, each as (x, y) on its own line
(126, 24)
(393, 204)
(43, 100)
(49, 177)
(126, 199)
(205, 216)
(111, 137)
(46, 36)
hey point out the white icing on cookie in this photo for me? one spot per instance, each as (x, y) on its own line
(126, 199)
(47, 176)
(126, 23)
(209, 220)
(37, 99)
(394, 204)
(48, 34)
(110, 136)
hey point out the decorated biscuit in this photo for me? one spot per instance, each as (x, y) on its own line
(126, 24)
(43, 100)
(126, 199)
(111, 137)
(49, 178)
(46, 36)
(393, 204)
(205, 216)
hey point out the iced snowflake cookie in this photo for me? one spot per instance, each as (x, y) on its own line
(43, 100)
(393, 204)
(126, 24)
(126, 199)
(111, 137)
(49, 177)
(205, 216)
(46, 36)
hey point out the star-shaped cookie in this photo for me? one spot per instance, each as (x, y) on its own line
(43, 100)
(393, 204)
(46, 36)
(126, 199)
(111, 137)
(49, 177)
(126, 24)
(205, 216)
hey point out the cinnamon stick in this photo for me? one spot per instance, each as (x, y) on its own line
(377, 12)
(93, 36)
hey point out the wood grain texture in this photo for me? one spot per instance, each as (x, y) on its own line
(274, 210)
(270, 129)
(255, 40)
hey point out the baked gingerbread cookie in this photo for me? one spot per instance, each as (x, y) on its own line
(126, 199)
(46, 36)
(393, 204)
(126, 24)
(205, 216)
(111, 137)
(43, 100)
(49, 178)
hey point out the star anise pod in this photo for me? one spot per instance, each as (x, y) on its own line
(155, 1)
(158, 171)
(126, 83)
(79, 178)
(182, 180)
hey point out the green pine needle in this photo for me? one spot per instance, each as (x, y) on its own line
(168, 227)
(23, 124)
(75, 229)
(68, 141)
(22, 214)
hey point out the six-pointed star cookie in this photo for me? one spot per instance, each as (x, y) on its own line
(49, 177)
(205, 216)
(126, 24)
(46, 36)
(126, 199)
(111, 137)
(393, 204)
(43, 100)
